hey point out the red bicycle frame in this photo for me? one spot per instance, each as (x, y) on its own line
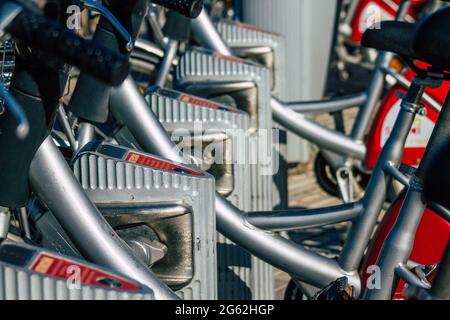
(433, 231)
(420, 133)
(371, 11)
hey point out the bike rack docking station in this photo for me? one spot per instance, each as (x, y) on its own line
(224, 130)
(264, 47)
(222, 142)
(31, 273)
(240, 82)
(164, 211)
(267, 49)
(245, 85)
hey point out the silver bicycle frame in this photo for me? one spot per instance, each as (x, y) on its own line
(129, 105)
(294, 219)
(284, 113)
(166, 64)
(54, 183)
(399, 243)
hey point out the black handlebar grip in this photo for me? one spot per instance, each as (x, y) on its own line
(188, 8)
(53, 39)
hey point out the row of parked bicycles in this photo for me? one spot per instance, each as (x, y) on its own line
(141, 155)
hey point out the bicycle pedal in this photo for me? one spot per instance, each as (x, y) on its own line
(338, 290)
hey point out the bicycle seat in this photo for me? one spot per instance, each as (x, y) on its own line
(432, 39)
(392, 36)
(428, 41)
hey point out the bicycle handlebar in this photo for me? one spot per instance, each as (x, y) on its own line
(188, 8)
(51, 38)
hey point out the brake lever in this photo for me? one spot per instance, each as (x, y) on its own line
(96, 7)
(23, 127)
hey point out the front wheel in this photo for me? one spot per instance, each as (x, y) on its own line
(326, 176)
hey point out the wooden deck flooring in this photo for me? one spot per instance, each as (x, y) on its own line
(305, 192)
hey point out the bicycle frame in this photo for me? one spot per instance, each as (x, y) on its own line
(54, 183)
(338, 147)
(397, 247)
(287, 114)
(130, 106)
(127, 103)
(440, 289)
(340, 150)
(434, 228)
